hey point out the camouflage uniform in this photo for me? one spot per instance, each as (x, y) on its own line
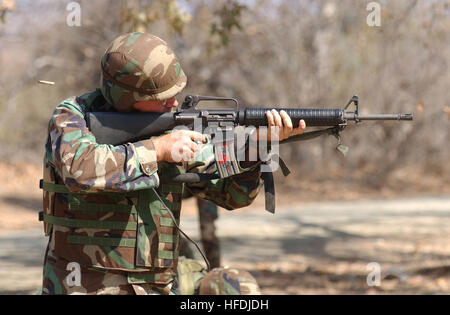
(194, 279)
(109, 231)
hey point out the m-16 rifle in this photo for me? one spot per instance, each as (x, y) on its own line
(118, 128)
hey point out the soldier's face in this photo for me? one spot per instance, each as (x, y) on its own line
(157, 106)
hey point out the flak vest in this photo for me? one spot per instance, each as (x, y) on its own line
(130, 231)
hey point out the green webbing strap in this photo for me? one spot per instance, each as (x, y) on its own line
(62, 189)
(135, 278)
(101, 241)
(165, 254)
(167, 238)
(114, 242)
(56, 188)
(90, 224)
(167, 222)
(94, 207)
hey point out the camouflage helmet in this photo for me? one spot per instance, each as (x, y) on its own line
(140, 67)
(229, 281)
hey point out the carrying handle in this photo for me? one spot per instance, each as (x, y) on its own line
(191, 101)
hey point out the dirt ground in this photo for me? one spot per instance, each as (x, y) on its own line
(312, 245)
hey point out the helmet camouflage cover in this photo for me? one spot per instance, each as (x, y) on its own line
(194, 279)
(140, 67)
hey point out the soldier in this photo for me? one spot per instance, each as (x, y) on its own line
(113, 225)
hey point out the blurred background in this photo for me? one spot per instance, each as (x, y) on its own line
(266, 53)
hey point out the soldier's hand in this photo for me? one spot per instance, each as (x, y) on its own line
(280, 124)
(178, 146)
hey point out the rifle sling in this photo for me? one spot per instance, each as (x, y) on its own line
(312, 134)
(269, 191)
(188, 178)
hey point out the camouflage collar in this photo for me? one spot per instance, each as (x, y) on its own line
(94, 101)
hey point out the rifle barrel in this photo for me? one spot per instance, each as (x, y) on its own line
(352, 116)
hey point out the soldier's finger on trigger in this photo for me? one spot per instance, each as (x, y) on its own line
(196, 136)
(185, 149)
(188, 155)
(186, 140)
(193, 146)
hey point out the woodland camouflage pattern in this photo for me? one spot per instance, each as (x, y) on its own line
(102, 213)
(228, 281)
(140, 67)
(194, 279)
